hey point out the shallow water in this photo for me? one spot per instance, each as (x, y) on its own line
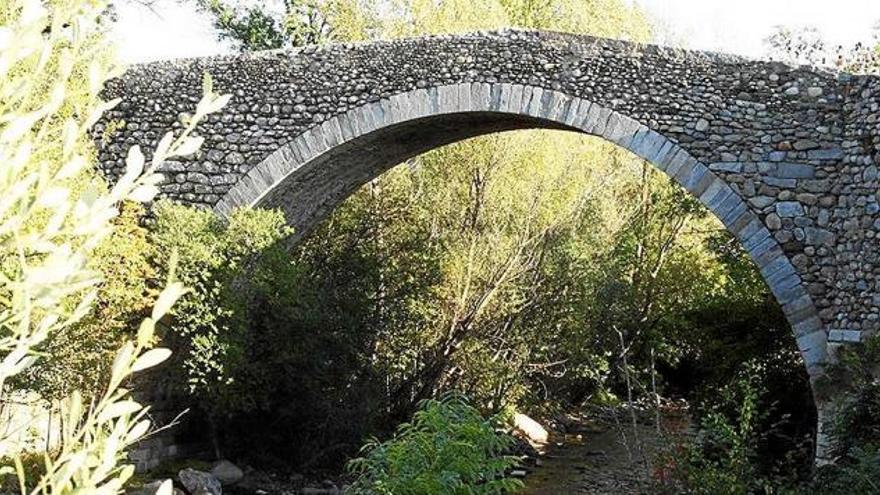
(600, 458)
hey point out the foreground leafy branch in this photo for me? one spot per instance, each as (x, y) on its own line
(50, 222)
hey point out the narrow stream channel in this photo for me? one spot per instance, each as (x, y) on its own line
(601, 457)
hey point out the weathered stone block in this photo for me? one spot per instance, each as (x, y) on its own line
(818, 237)
(787, 170)
(789, 209)
(732, 167)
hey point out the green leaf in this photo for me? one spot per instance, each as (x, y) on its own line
(121, 364)
(162, 149)
(207, 84)
(138, 431)
(189, 146)
(72, 167)
(117, 409)
(144, 193)
(146, 332)
(150, 358)
(218, 103)
(134, 161)
(74, 408)
(167, 298)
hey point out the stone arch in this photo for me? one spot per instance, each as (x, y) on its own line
(318, 169)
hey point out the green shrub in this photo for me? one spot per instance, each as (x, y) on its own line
(721, 459)
(855, 433)
(858, 474)
(83, 354)
(857, 415)
(210, 323)
(448, 448)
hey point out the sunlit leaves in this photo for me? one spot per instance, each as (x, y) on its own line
(213, 254)
(447, 448)
(50, 74)
(150, 358)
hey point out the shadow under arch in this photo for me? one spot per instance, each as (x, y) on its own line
(308, 177)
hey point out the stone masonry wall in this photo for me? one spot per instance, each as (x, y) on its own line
(798, 145)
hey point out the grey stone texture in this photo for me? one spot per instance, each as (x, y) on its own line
(199, 483)
(785, 156)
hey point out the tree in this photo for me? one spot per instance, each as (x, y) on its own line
(289, 23)
(257, 26)
(210, 322)
(83, 354)
(807, 46)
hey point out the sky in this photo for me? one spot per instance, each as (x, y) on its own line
(740, 26)
(173, 28)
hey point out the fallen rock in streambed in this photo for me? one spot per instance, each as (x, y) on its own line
(227, 473)
(199, 482)
(531, 429)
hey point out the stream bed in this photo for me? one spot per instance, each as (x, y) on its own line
(604, 455)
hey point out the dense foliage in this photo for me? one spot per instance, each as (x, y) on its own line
(724, 456)
(447, 448)
(82, 355)
(281, 23)
(210, 329)
(855, 434)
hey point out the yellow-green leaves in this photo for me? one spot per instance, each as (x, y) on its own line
(167, 299)
(52, 218)
(150, 358)
(117, 409)
(606, 18)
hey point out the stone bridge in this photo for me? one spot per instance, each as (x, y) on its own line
(785, 157)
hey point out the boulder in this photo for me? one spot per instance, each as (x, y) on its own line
(533, 431)
(199, 482)
(227, 473)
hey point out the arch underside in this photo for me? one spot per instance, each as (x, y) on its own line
(318, 169)
(321, 184)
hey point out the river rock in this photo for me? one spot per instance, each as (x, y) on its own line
(227, 473)
(530, 428)
(199, 482)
